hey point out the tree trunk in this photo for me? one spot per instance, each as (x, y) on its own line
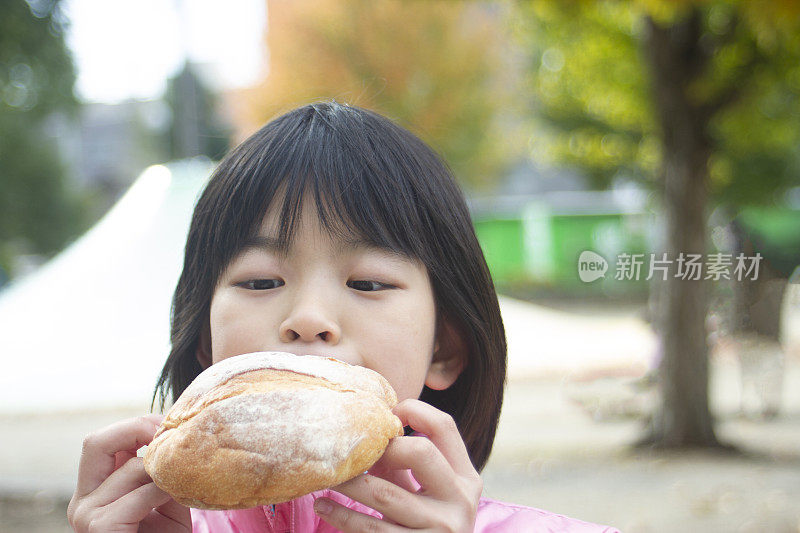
(757, 302)
(755, 327)
(682, 418)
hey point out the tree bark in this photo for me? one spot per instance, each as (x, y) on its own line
(682, 418)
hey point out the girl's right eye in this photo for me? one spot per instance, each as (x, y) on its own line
(261, 284)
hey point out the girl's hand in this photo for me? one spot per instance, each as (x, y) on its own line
(114, 493)
(451, 487)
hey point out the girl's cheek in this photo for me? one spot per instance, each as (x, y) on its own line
(229, 302)
(232, 325)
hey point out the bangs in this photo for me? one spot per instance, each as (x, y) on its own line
(360, 174)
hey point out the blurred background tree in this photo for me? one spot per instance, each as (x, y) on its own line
(696, 99)
(436, 66)
(38, 212)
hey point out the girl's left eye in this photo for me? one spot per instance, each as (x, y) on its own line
(261, 284)
(368, 286)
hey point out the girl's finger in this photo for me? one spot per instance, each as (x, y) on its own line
(134, 506)
(125, 479)
(350, 521)
(428, 466)
(441, 429)
(401, 477)
(158, 523)
(120, 458)
(176, 512)
(98, 457)
(390, 500)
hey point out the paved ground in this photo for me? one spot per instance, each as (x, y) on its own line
(562, 445)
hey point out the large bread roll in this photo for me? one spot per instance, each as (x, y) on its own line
(269, 427)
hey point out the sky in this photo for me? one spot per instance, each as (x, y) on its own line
(128, 49)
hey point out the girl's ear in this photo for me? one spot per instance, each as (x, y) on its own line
(449, 357)
(203, 351)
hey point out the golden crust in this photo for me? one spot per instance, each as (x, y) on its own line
(268, 436)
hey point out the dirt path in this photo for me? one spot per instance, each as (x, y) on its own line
(552, 454)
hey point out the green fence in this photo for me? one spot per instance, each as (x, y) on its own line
(539, 246)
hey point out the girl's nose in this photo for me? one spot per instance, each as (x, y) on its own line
(309, 324)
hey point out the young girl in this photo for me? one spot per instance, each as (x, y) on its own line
(334, 232)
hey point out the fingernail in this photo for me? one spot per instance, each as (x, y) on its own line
(322, 506)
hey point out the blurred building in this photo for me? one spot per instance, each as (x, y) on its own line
(118, 141)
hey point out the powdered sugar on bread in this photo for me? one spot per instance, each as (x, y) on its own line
(292, 427)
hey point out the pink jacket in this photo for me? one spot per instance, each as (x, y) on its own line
(298, 516)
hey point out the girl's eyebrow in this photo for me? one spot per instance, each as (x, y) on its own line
(269, 244)
(261, 242)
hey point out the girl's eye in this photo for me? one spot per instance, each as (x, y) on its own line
(368, 286)
(261, 284)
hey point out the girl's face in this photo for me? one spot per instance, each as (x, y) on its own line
(334, 298)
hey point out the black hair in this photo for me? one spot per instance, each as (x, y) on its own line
(384, 184)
